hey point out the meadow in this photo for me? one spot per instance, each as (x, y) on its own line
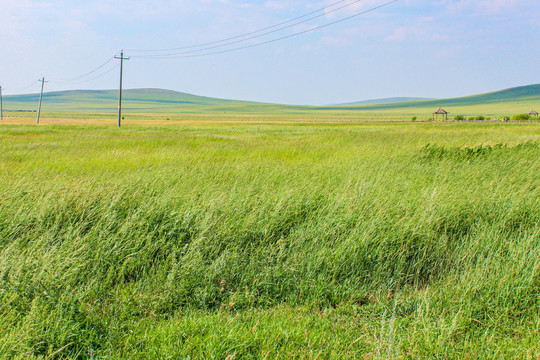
(158, 104)
(269, 240)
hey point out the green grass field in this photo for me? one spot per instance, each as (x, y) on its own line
(155, 104)
(246, 240)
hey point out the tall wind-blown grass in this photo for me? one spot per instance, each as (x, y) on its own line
(270, 241)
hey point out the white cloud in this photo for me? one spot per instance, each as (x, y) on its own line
(349, 8)
(426, 31)
(16, 15)
(484, 7)
(399, 34)
(335, 41)
(277, 5)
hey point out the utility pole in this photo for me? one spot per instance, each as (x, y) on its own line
(40, 98)
(1, 105)
(121, 58)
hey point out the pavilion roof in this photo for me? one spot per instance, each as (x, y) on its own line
(441, 111)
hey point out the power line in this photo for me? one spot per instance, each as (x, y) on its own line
(180, 56)
(204, 51)
(84, 75)
(242, 35)
(88, 80)
(254, 36)
(70, 83)
(24, 88)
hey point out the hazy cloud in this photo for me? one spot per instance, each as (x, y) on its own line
(349, 8)
(419, 37)
(480, 7)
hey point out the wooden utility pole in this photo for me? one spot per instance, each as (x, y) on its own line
(121, 58)
(40, 98)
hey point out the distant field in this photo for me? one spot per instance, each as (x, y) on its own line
(155, 104)
(245, 240)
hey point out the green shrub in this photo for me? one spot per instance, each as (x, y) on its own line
(471, 118)
(480, 117)
(414, 118)
(521, 117)
(459, 118)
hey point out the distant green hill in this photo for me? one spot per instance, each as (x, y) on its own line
(504, 102)
(106, 100)
(147, 101)
(518, 94)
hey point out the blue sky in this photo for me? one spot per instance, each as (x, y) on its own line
(438, 48)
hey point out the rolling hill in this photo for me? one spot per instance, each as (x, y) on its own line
(517, 94)
(158, 101)
(138, 99)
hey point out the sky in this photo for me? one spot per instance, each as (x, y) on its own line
(410, 48)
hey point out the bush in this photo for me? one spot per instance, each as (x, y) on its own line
(414, 118)
(471, 118)
(480, 118)
(521, 117)
(459, 118)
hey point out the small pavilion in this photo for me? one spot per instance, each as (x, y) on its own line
(533, 113)
(441, 112)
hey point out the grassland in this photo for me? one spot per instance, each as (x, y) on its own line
(155, 104)
(263, 240)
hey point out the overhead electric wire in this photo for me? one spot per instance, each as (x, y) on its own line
(242, 35)
(251, 37)
(84, 75)
(180, 56)
(24, 88)
(90, 79)
(197, 53)
(73, 82)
